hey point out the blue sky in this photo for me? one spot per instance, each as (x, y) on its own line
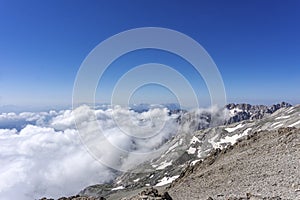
(255, 45)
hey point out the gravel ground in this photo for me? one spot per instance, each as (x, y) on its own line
(266, 165)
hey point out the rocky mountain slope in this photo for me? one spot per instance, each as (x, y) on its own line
(251, 153)
(240, 112)
(263, 165)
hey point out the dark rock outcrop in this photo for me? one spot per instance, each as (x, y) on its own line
(252, 112)
(77, 197)
(153, 194)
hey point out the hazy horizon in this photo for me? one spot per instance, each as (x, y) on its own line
(41, 108)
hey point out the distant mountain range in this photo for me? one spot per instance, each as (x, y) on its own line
(242, 151)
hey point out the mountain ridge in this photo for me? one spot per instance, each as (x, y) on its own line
(202, 144)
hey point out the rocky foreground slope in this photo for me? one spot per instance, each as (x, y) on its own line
(263, 165)
(258, 158)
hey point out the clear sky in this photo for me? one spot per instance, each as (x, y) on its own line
(255, 44)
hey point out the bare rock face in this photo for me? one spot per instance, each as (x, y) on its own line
(238, 113)
(242, 112)
(152, 193)
(265, 165)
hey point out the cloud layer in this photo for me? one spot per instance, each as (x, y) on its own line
(41, 154)
(58, 153)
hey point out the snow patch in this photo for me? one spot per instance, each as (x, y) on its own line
(172, 147)
(191, 150)
(294, 124)
(275, 123)
(118, 188)
(234, 128)
(247, 131)
(194, 140)
(194, 162)
(279, 125)
(283, 117)
(290, 110)
(180, 141)
(234, 111)
(166, 180)
(163, 165)
(136, 180)
(213, 143)
(231, 139)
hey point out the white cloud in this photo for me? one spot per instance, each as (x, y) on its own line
(41, 154)
(40, 161)
(19, 121)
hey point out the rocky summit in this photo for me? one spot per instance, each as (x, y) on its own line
(252, 154)
(240, 112)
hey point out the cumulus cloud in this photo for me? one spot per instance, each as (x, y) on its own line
(19, 121)
(45, 154)
(115, 134)
(39, 161)
(202, 118)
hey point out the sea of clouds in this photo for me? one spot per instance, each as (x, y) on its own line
(51, 154)
(42, 154)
